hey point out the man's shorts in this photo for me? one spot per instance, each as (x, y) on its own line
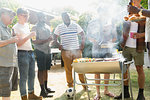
(5, 81)
(131, 53)
(43, 60)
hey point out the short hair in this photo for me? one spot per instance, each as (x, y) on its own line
(22, 11)
(40, 14)
(64, 14)
(7, 10)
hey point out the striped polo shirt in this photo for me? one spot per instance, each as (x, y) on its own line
(69, 35)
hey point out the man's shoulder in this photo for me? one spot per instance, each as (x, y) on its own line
(16, 26)
(74, 23)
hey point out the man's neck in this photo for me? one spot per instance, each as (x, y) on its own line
(67, 24)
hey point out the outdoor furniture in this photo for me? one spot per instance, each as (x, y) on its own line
(54, 52)
(102, 67)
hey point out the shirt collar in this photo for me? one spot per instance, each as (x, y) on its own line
(69, 24)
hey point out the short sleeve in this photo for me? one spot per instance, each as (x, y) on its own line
(79, 29)
(57, 31)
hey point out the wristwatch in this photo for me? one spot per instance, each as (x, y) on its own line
(140, 12)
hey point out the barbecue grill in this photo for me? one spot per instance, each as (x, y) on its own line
(102, 66)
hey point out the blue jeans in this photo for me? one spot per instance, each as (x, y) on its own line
(26, 63)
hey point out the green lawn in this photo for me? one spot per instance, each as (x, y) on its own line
(58, 83)
(81, 95)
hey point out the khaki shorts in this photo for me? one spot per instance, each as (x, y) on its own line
(131, 53)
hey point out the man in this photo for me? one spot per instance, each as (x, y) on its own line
(70, 47)
(133, 48)
(99, 33)
(146, 13)
(8, 53)
(26, 60)
(42, 51)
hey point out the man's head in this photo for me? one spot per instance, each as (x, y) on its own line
(41, 17)
(6, 16)
(23, 14)
(65, 18)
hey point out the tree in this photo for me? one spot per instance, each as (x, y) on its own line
(144, 4)
(13, 5)
(83, 22)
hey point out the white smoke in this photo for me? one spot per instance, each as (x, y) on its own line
(109, 13)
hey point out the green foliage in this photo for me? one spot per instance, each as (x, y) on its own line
(54, 22)
(70, 10)
(144, 4)
(13, 5)
(84, 20)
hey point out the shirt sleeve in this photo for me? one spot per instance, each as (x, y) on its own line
(79, 29)
(57, 31)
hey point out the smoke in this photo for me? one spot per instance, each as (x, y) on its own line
(103, 28)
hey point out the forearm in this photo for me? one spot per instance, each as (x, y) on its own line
(23, 40)
(83, 38)
(55, 40)
(142, 35)
(40, 41)
(146, 12)
(5, 42)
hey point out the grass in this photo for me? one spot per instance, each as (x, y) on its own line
(59, 84)
(81, 95)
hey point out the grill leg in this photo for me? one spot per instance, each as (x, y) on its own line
(86, 87)
(74, 84)
(122, 83)
(130, 84)
(114, 77)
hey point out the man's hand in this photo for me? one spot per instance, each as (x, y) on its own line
(14, 39)
(132, 9)
(60, 47)
(32, 34)
(137, 36)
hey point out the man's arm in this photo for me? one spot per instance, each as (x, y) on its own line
(9, 41)
(39, 41)
(83, 40)
(135, 10)
(138, 35)
(56, 42)
(23, 40)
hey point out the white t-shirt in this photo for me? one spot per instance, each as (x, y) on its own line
(130, 41)
(147, 27)
(69, 35)
(23, 31)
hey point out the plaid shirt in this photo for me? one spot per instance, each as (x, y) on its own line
(140, 43)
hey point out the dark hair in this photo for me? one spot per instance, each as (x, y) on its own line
(64, 14)
(40, 15)
(22, 11)
(6, 10)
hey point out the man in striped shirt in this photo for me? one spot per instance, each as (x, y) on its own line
(70, 48)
